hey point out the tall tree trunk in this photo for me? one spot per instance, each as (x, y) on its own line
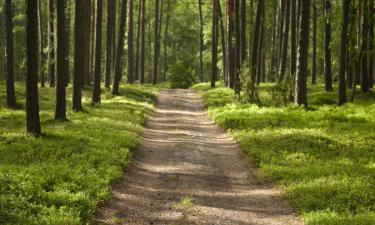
(260, 54)
(273, 49)
(285, 36)
(343, 51)
(166, 40)
(136, 71)
(281, 18)
(365, 31)
(98, 53)
(237, 61)
(293, 37)
(86, 26)
(313, 72)
(41, 45)
(62, 64)
(230, 49)
(109, 42)
(67, 41)
(255, 47)
(92, 48)
(371, 44)
(156, 44)
(32, 97)
(223, 47)
(303, 50)
(9, 57)
(327, 47)
(214, 43)
(143, 23)
(200, 40)
(80, 49)
(243, 31)
(130, 45)
(51, 44)
(120, 49)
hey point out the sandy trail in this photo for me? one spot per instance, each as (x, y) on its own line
(183, 155)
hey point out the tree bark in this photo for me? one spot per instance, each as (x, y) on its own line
(303, 49)
(293, 37)
(51, 45)
(32, 96)
(120, 49)
(143, 23)
(200, 40)
(327, 47)
(273, 48)
(230, 50)
(166, 40)
(243, 31)
(285, 36)
(62, 64)
(313, 71)
(130, 45)
(237, 61)
(41, 45)
(88, 22)
(214, 43)
(109, 42)
(98, 53)
(371, 45)
(364, 39)
(223, 46)
(136, 71)
(9, 56)
(343, 51)
(156, 44)
(256, 37)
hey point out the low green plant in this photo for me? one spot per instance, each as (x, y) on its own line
(323, 158)
(61, 177)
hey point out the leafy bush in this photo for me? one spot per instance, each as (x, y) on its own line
(180, 76)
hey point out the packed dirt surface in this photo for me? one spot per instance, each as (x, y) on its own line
(187, 170)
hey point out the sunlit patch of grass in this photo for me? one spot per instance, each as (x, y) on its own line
(60, 177)
(184, 204)
(322, 158)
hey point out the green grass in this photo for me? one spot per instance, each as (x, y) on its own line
(60, 177)
(322, 158)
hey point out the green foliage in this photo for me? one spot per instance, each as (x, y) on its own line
(249, 86)
(180, 76)
(60, 177)
(323, 159)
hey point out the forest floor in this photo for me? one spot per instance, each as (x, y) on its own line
(187, 170)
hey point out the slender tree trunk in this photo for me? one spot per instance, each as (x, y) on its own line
(51, 44)
(282, 15)
(130, 45)
(313, 72)
(32, 96)
(200, 40)
(67, 41)
(371, 44)
(136, 71)
(166, 40)
(88, 21)
(224, 53)
(41, 45)
(92, 48)
(343, 51)
(243, 31)
(303, 48)
(214, 43)
(9, 57)
(156, 44)
(285, 36)
(109, 42)
(62, 70)
(230, 49)
(143, 23)
(327, 47)
(365, 31)
(273, 49)
(255, 47)
(260, 54)
(98, 53)
(237, 61)
(120, 49)
(293, 36)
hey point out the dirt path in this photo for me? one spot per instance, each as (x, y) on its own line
(187, 170)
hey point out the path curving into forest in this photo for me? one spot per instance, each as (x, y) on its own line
(187, 170)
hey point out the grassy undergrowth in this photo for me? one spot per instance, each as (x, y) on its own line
(60, 178)
(323, 158)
